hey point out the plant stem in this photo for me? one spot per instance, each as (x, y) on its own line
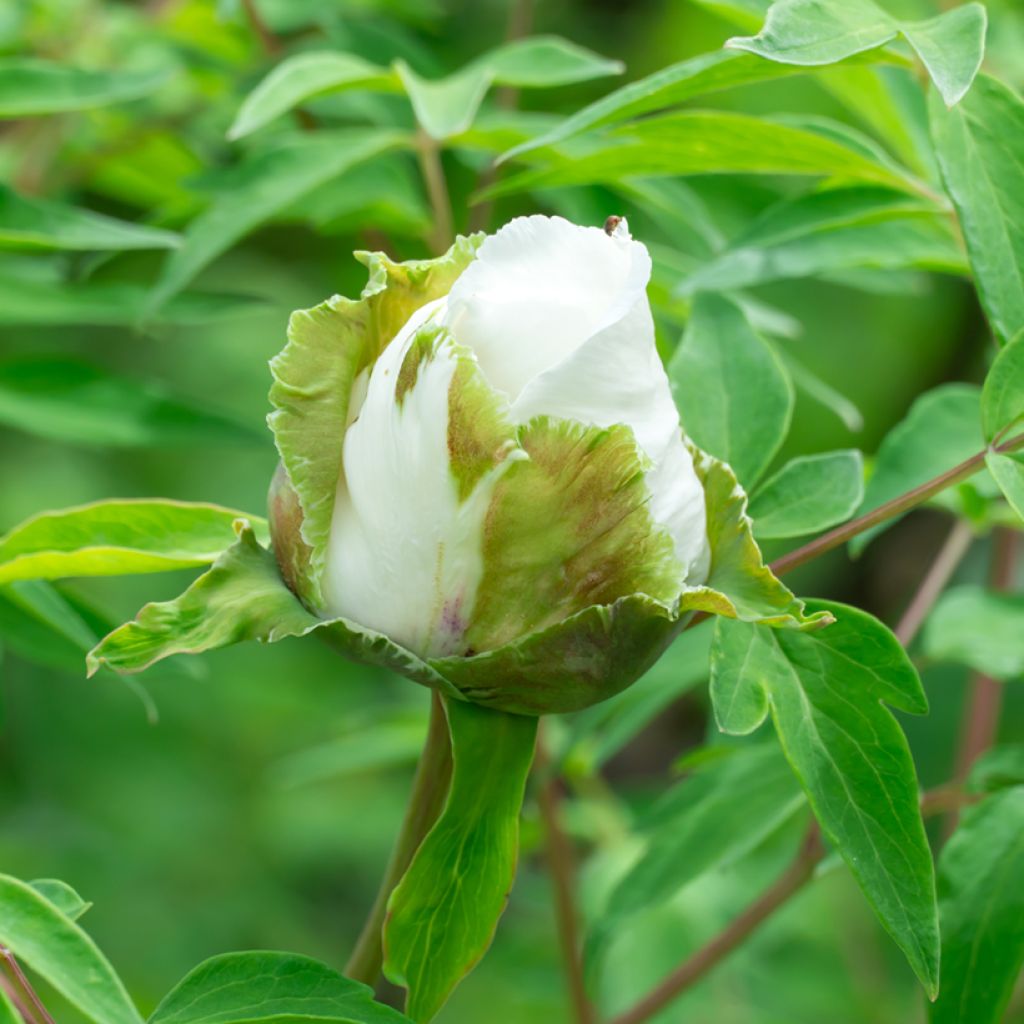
(271, 47)
(562, 869)
(791, 881)
(890, 509)
(985, 696)
(38, 1011)
(950, 555)
(429, 791)
(443, 233)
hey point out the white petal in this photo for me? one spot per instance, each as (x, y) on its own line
(405, 556)
(537, 290)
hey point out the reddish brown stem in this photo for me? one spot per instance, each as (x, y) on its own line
(269, 42)
(562, 868)
(31, 998)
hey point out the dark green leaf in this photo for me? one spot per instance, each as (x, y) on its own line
(27, 223)
(82, 404)
(981, 903)
(303, 77)
(62, 896)
(40, 935)
(980, 146)
(29, 87)
(113, 538)
(242, 988)
(264, 185)
(979, 628)
(734, 397)
(442, 916)
(810, 493)
(39, 624)
(942, 429)
(1002, 397)
(816, 32)
(8, 1014)
(823, 393)
(997, 769)
(825, 690)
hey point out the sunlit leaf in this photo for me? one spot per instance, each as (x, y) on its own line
(735, 398)
(981, 905)
(980, 146)
(30, 87)
(113, 538)
(808, 494)
(825, 690)
(979, 628)
(283, 988)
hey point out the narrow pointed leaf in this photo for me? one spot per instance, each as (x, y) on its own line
(62, 896)
(31, 88)
(1002, 396)
(825, 690)
(1008, 471)
(53, 946)
(112, 538)
(442, 916)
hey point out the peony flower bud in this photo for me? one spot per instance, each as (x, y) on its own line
(483, 464)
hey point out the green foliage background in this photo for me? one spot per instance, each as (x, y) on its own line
(247, 799)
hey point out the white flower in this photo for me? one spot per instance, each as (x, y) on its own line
(514, 454)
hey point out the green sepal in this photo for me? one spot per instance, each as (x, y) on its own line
(443, 914)
(329, 346)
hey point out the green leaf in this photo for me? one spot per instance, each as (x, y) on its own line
(285, 988)
(62, 896)
(698, 76)
(822, 392)
(707, 142)
(980, 147)
(816, 32)
(77, 403)
(810, 493)
(710, 819)
(825, 691)
(113, 538)
(27, 301)
(30, 87)
(979, 628)
(942, 429)
(735, 398)
(1002, 397)
(832, 230)
(53, 946)
(447, 106)
(8, 1014)
(1008, 472)
(981, 903)
(997, 769)
(442, 916)
(305, 76)
(27, 223)
(39, 624)
(265, 184)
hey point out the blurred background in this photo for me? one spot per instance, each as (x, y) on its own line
(247, 799)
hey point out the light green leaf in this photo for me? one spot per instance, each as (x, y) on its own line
(735, 398)
(31, 88)
(1002, 397)
(997, 769)
(285, 988)
(113, 538)
(53, 946)
(981, 904)
(980, 146)
(710, 819)
(810, 493)
(27, 223)
(442, 916)
(1008, 472)
(81, 404)
(305, 76)
(62, 896)
(816, 32)
(447, 106)
(942, 429)
(264, 185)
(825, 691)
(27, 301)
(706, 142)
(832, 230)
(979, 628)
